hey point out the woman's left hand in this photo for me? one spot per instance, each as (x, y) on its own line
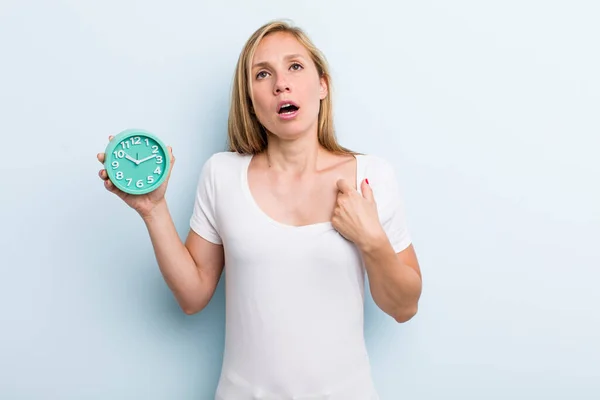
(355, 216)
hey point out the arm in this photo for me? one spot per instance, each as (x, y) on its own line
(191, 270)
(394, 278)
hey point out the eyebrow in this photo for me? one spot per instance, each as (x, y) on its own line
(288, 57)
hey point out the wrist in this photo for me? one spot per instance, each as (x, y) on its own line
(155, 212)
(373, 242)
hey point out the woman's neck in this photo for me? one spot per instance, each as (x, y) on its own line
(294, 156)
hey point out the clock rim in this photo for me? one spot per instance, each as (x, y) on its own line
(112, 145)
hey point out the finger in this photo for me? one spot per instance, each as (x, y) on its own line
(102, 174)
(172, 157)
(110, 137)
(113, 189)
(343, 186)
(337, 211)
(100, 157)
(366, 190)
(109, 185)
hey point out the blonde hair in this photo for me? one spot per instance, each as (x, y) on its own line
(246, 135)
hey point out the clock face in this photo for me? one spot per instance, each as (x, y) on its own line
(137, 163)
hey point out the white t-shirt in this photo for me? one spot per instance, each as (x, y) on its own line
(294, 295)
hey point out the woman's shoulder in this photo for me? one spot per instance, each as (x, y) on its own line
(227, 158)
(375, 164)
(219, 173)
(382, 175)
(223, 161)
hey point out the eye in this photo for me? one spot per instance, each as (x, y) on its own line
(261, 74)
(296, 66)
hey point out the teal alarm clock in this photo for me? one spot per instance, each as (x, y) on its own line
(137, 161)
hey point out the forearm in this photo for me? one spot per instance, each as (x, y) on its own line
(395, 286)
(174, 260)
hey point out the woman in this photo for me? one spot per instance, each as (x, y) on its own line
(298, 220)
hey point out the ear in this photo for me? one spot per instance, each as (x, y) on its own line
(324, 88)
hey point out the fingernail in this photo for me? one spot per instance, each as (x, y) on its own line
(366, 180)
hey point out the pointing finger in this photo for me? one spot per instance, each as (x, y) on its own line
(344, 186)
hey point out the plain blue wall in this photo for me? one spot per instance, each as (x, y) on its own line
(488, 110)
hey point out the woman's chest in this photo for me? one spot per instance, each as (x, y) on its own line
(298, 202)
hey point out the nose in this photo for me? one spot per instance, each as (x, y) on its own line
(281, 85)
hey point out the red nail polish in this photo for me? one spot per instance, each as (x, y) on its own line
(366, 180)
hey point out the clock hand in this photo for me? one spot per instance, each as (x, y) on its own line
(147, 158)
(127, 156)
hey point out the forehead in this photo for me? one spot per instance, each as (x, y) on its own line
(278, 45)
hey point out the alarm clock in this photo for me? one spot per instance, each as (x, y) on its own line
(137, 161)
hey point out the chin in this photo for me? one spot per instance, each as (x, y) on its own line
(292, 129)
(289, 132)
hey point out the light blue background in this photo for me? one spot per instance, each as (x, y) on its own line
(488, 110)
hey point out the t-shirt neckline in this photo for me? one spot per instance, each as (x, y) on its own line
(315, 227)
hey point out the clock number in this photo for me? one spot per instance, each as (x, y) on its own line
(119, 154)
(147, 142)
(157, 170)
(125, 144)
(139, 183)
(150, 179)
(136, 140)
(115, 164)
(120, 175)
(154, 149)
(158, 159)
(129, 180)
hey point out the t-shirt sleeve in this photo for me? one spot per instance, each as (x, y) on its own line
(390, 203)
(203, 220)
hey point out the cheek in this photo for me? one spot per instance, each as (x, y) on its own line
(313, 98)
(261, 104)
(258, 100)
(262, 109)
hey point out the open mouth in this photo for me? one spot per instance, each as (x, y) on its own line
(288, 108)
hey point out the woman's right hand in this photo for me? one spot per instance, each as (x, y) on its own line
(144, 204)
